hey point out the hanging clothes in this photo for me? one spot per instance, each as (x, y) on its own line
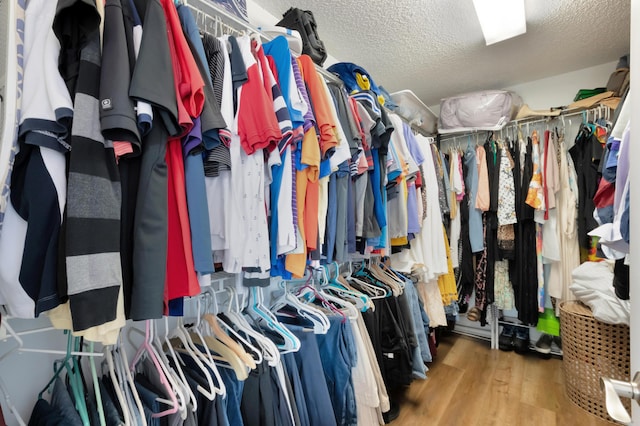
(523, 269)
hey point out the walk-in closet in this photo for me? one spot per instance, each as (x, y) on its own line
(277, 213)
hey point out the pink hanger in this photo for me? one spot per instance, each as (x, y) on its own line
(146, 346)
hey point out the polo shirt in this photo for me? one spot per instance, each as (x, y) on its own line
(218, 183)
(326, 125)
(144, 298)
(154, 60)
(278, 49)
(253, 127)
(118, 120)
(187, 80)
(29, 239)
(257, 124)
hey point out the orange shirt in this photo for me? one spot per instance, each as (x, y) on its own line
(321, 108)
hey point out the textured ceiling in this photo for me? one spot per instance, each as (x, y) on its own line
(436, 47)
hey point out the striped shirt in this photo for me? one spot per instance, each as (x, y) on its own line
(94, 273)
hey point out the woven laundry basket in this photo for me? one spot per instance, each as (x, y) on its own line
(592, 349)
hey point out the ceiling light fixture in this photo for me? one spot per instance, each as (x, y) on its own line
(500, 19)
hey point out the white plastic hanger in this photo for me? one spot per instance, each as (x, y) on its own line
(177, 383)
(269, 349)
(124, 363)
(189, 348)
(177, 366)
(206, 357)
(116, 386)
(147, 348)
(320, 321)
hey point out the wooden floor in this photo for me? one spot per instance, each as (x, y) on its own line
(470, 384)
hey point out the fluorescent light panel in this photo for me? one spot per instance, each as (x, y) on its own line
(500, 19)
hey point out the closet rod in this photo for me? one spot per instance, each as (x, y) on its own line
(515, 123)
(213, 10)
(409, 123)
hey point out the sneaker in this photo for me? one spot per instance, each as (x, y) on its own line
(505, 341)
(558, 342)
(543, 345)
(521, 340)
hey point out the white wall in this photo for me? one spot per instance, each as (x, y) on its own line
(259, 16)
(560, 89)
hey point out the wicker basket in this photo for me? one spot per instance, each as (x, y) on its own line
(592, 349)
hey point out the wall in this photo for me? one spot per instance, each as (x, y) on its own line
(559, 89)
(259, 16)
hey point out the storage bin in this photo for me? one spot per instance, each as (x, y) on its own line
(592, 349)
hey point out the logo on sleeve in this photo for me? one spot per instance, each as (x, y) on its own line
(106, 104)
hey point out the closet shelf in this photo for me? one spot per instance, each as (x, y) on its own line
(412, 109)
(602, 110)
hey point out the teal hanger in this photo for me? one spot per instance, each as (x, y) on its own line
(70, 363)
(63, 364)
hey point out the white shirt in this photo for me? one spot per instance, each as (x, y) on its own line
(249, 246)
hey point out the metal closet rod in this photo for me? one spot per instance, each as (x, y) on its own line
(515, 123)
(200, 6)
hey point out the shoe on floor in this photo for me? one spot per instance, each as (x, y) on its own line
(505, 340)
(521, 340)
(473, 314)
(392, 414)
(543, 345)
(558, 342)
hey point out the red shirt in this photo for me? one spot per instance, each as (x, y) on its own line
(187, 80)
(258, 127)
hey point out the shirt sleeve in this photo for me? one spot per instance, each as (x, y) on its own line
(257, 124)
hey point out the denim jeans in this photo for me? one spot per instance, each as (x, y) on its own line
(310, 367)
(417, 321)
(233, 399)
(289, 362)
(151, 406)
(338, 354)
(475, 216)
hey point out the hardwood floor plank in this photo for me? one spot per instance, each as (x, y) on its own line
(420, 404)
(470, 384)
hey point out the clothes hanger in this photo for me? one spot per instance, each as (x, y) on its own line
(216, 326)
(70, 364)
(147, 348)
(304, 310)
(229, 358)
(108, 355)
(360, 299)
(123, 364)
(269, 350)
(262, 315)
(309, 293)
(169, 373)
(180, 336)
(96, 387)
(374, 291)
(352, 312)
(3, 388)
(174, 371)
(206, 356)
